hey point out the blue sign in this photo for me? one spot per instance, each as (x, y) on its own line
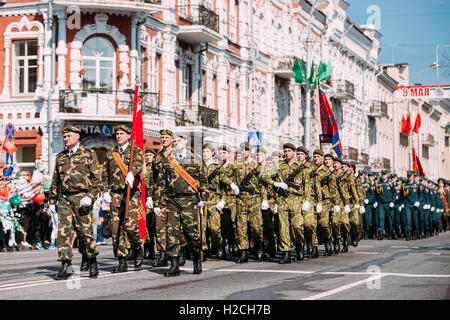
(106, 130)
(10, 132)
(255, 139)
(9, 159)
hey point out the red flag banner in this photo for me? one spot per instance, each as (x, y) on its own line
(417, 124)
(329, 124)
(417, 166)
(137, 134)
(408, 124)
(403, 124)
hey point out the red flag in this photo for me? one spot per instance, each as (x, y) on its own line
(329, 124)
(403, 124)
(137, 134)
(417, 124)
(417, 166)
(408, 124)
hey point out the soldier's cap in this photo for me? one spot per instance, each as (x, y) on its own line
(70, 129)
(352, 165)
(244, 146)
(409, 173)
(443, 180)
(416, 174)
(345, 163)
(328, 155)
(208, 146)
(338, 160)
(124, 128)
(385, 171)
(165, 132)
(371, 174)
(277, 154)
(261, 150)
(303, 149)
(150, 150)
(360, 172)
(289, 146)
(223, 147)
(176, 135)
(318, 151)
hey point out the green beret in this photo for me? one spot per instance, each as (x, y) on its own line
(338, 159)
(208, 146)
(318, 151)
(123, 128)
(224, 147)
(165, 132)
(261, 149)
(302, 149)
(385, 171)
(409, 173)
(150, 150)
(328, 155)
(71, 129)
(244, 145)
(289, 146)
(371, 174)
(443, 180)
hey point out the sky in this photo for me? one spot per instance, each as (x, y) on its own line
(415, 27)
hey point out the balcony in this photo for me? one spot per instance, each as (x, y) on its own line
(349, 153)
(378, 109)
(381, 163)
(202, 24)
(342, 89)
(427, 139)
(105, 103)
(364, 159)
(283, 68)
(193, 115)
(115, 5)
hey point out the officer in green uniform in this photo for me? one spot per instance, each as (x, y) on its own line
(75, 186)
(149, 244)
(397, 205)
(418, 221)
(370, 200)
(410, 200)
(385, 197)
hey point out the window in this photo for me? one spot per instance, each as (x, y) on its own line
(233, 20)
(98, 64)
(25, 66)
(425, 152)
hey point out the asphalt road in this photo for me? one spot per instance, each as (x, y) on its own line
(375, 270)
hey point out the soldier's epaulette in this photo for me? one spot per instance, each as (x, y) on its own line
(283, 164)
(238, 164)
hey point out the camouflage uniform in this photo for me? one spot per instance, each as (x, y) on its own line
(269, 216)
(310, 190)
(344, 192)
(356, 201)
(335, 218)
(113, 181)
(181, 201)
(328, 190)
(75, 177)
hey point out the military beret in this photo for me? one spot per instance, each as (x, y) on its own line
(442, 179)
(261, 149)
(165, 132)
(416, 174)
(208, 146)
(318, 151)
(409, 173)
(345, 163)
(338, 159)
(329, 155)
(360, 172)
(288, 146)
(244, 145)
(223, 147)
(71, 129)
(385, 171)
(123, 128)
(277, 154)
(371, 174)
(150, 150)
(302, 149)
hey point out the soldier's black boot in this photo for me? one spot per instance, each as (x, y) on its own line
(366, 235)
(130, 254)
(300, 251)
(336, 247)
(146, 251)
(235, 251)
(272, 251)
(65, 271)
(243, 257)
(330, 249)
(285, 258)
(174, 269)
(408, 236)
(315, 252)
(122, 267)
(355, 240)
(260, 252)
(162, 261)
(220, 252)
(197, 260)
(138, 257)
(380, 235)
(308, 249)
(93, 268)
(182, 256)
(345, 245)
(84, 263)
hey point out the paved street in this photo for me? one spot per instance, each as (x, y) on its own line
(385, 270)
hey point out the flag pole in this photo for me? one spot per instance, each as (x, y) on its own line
(317, 111)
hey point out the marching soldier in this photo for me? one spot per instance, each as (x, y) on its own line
(385, 197)
(75, 186)
(418, 215)
(428, 209)
(410, 199)
(445, 195)
(115, 178)
(358, 206)
(335, 218)
(397, 206)
(149, 245)
(370, 202)
(183, 182)
(349, 220)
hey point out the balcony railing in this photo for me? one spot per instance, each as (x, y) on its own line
(428, 140)
(193, 115)
(106, 102)
(378, 109)
(343, 89)
(199, 14)
(381, 163)
(153, 1)
(350, 153)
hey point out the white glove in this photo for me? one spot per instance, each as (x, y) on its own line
(416, 204)
(201, 204)
(275, 209)
(391, 205)
(347, 209)
(425, 207)
(362, 210)
(235, 189)
(400, 208)
(85, 202)
(130, 179)
(107, 197)
(366, 201)
(149, 203)
(264, 205)
(319, 208)
(396, 197)
(305, 206)
(432, 209)
(157, 211)
(438, 210)
(281, 185)
(52, 209)
(337, 209)
(220, 205)
(375, 204)
(357, 206)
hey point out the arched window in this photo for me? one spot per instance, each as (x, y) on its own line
(98, 64)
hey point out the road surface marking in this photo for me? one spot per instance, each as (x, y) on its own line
(366, 252)
(272, 271)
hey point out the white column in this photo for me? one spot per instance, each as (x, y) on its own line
(7, 45)
(61, 51)
(47, 52)
(168, 90)
(133, 53)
